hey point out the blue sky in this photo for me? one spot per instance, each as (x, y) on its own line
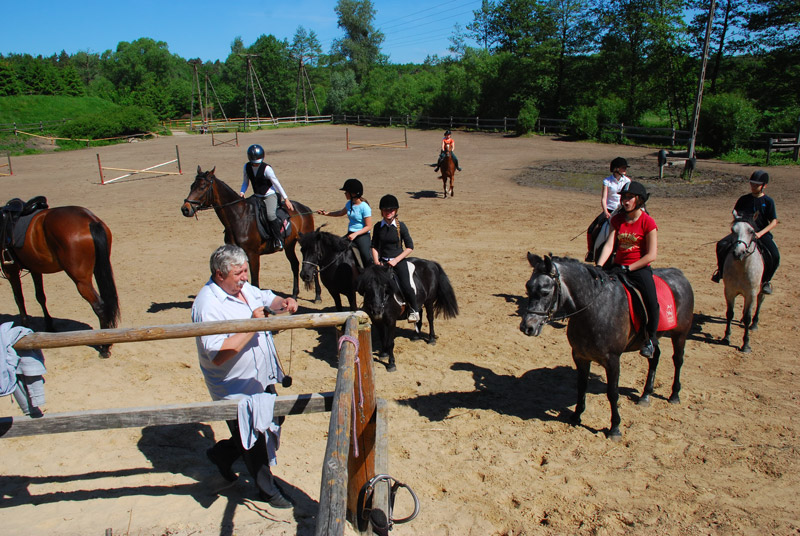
(414, 29)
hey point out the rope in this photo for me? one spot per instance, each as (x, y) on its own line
(354, 342)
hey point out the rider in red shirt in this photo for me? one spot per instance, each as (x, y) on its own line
(634, 242)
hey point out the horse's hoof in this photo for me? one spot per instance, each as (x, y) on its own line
(318, 299)
(644, 401)
(746, 349)
(391, 367)
(104, 354)
(726, 341)
(432, 341)
(575, 419)
(674, 399)
(615, 435)
(754, 327)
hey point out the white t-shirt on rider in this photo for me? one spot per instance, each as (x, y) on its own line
(614, 187)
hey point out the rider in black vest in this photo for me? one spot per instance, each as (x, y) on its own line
(266, 187)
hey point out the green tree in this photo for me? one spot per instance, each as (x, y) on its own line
(361, 44)
(480, 29)
(8, 79)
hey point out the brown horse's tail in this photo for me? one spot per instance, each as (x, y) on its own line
(104, 275)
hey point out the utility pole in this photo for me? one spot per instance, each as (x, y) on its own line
(302, 81)
(196, 85)
(699, 99)
(250, 84)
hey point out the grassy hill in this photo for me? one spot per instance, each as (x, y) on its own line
(35, 108)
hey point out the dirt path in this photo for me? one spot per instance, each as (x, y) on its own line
(478, 422)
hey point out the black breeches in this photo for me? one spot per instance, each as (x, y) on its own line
(770, 265)
(642, 279)
(364, 246)
(404, 279)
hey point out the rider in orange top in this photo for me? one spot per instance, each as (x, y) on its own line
(447, 142)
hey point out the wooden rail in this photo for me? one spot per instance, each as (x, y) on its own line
(350, 456)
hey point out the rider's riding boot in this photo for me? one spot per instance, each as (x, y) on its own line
(647, 350)
(717, 277)
(766, 288)
(275, 225)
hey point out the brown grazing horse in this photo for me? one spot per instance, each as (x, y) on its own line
(239, 220)
(448, 170)
(76, 241)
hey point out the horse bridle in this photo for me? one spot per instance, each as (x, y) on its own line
(335, 258)
(549, 315)
(203, 203)
(555, 275)
(747, 245)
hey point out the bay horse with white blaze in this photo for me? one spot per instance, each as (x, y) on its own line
(73, 240)
(332, 259)
(239, 220)
(599, 324)
(383, 300)
(741, 273)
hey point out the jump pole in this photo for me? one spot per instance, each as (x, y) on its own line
(145, 170)
(10, 170)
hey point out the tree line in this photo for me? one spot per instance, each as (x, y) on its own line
(631, 61)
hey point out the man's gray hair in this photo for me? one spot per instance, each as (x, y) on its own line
(226, 257)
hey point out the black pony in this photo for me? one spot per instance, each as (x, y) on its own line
(600, 328)
(383, 300)
(333, 259)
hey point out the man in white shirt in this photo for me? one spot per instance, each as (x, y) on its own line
(239, 364)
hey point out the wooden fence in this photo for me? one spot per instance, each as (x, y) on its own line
(356, 446)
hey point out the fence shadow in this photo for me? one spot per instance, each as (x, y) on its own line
(543, 394)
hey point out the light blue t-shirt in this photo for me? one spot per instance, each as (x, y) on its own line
(357, 215)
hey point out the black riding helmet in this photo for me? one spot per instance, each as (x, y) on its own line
(759, 177)
(447, 133)
(255, 154)
(353, 187)
(637, 189)
(389, 201)
(618, 162)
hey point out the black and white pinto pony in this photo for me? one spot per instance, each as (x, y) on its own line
(599, 324)
(383, 301)
(333, 259)
(741, 273)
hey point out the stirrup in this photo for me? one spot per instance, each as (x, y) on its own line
(7, 257)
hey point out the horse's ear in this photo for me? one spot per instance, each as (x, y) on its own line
(199, 171)
(735, 214)
(213, 169)
(533, 260)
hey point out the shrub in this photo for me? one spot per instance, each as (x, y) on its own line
(582, 122)
(527, 118)
(120, 122)
(727, 121)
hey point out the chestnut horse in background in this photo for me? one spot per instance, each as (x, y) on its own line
(73, 240)
(239, 219)
(448, 170)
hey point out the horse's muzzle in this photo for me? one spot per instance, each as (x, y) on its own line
(187, 210)
(531, 325)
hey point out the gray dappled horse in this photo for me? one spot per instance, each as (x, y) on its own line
(742, 271)
(599, 327)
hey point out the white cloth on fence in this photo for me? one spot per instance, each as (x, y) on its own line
(21, 372)
(255, 417)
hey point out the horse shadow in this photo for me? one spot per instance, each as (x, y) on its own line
(699, 325)
(157, 307)
(424, 194)
(548, 392)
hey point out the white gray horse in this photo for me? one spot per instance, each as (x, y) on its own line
(741, 273)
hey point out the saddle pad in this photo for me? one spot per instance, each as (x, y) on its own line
(20, 230)
(667, 318)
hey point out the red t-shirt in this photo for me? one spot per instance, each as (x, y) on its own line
(629, 244)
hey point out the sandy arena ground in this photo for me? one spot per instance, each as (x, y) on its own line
(478, 423)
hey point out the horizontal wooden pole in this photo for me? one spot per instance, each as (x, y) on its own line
(105, 419)
(157, 172)
(182, 331)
